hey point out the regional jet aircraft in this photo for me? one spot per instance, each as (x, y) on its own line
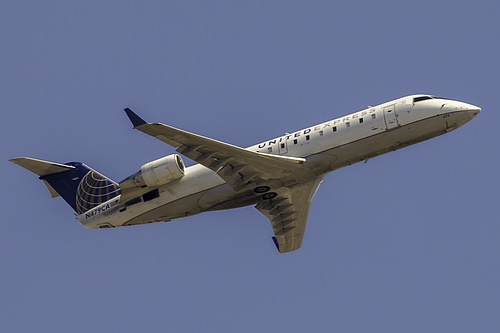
(279, 176)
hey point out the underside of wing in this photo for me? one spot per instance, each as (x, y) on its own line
(288, 213)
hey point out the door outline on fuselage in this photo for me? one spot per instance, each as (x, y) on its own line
(283, 146)
(390, 117)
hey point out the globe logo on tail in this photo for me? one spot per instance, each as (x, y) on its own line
(93, 190)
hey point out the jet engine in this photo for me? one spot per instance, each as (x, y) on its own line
(156, 173)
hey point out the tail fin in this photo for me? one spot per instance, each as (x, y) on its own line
(80, 186)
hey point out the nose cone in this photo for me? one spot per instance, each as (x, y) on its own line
(461, 107)
(470, 107)
(471, 110)
(462, 113)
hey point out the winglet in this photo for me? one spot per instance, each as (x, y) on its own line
(135, 119)
(275, 240)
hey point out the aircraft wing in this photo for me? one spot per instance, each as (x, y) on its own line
(237, 166)
(288, 213)
(286, 204)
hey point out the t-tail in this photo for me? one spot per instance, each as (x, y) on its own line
(79, 185)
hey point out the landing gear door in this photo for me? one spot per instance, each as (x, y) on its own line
(390, 117)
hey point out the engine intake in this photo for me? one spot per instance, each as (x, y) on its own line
(156, 173)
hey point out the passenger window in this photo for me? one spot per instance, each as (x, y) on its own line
(282, 146)
(308, 137)
(334, 128)
(270, 149)
(374, 116)
(348, 124)
(295, 141)
(320, 133)
(360, 120)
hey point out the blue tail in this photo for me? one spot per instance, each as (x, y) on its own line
(79, 185)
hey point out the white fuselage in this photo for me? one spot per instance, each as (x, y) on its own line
(326, 147)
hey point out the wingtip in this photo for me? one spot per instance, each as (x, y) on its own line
(134, 118)
(275, 240)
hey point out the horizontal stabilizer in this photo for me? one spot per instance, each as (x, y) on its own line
(39, 167)
(80, 186)
(42, 168)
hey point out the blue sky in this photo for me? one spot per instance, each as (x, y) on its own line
(407, 242)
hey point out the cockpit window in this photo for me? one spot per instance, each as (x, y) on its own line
(421, 98)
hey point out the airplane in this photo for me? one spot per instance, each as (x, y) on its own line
(279, 176)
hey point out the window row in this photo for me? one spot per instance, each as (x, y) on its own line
(348, 123)
(321, 133)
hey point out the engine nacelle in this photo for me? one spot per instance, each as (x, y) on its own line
(156, 173)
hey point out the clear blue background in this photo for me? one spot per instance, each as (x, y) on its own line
(408, 242)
